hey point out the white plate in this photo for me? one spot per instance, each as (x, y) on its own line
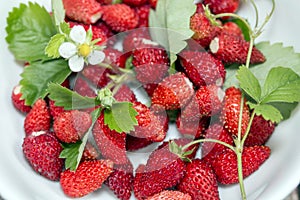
(274, 181)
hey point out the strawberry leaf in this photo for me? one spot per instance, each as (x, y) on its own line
(54, 44)
(69, 99)
(37, 76)
(170, 25)
(121, 117)
(268, 112)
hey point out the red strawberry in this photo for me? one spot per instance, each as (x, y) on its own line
(90, 152)
(135, 39)
(134, 3)
(151, 64)
(120, 17)
(199, 181)
(136, 143)
(192, 129)
(120, 181)
(149, 125)
(163, 170)
(173, 92)
(231, 111)
(111, 144)
(70, 126)
(149, 88)
(232, 28)
(97, 75)
(38, 119)
(17, 100)
(153, 3)
(86, 11)
(111, 39)
(222, 6)
(233, 49)
(42, 151)
(115, 58)
(210, 149)
(83, 88)
(55, 110)
(88, 177)
(202, 68)
(170, 195)
(125, 94)
(260, 131)
(225, 164)
(143, 13)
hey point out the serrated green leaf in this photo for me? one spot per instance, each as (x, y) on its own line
(249, 83)
(69, 99)
(65, 28)
(170, 25)
(37, 76)
(285, 108)
(53, 45)
(29, 29)
(58, 11)
(268, 112)
(281, 85)
(121, 117)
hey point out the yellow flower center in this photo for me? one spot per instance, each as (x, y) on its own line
(84, 50)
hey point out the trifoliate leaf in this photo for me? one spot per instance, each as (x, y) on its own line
(249, 83)
(58, 11)
(281, 85)
(268, 112)
(29, 29)
(37, 76)
(170, 25)
(69, 99)
(54, 44)
(121, 117)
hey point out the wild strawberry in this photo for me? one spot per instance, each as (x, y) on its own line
(120, 17)
(115, 58)
(38, 119)
(88, 177)
(135, 39)
(199, 181)
(111, 40)
(42, 151)
(222, 6)
(125, 94)
(231, 111)
(55, 110)
(194, 129)
(86, 11)
(83, 88)
(210, 149)
(202, 68)
(151, 64)
(260, 131)
(136, 143)
(97, 75)
(173, 92)
(120, 181)
(143, 13)
(110, 143)
(163, 170)
(70, 126)
(153, 3)
(225, 164)
(232, 28)
(149, 125)
(17, 101)
(134, 3)
(170, 195)
(233, 49)
(89, 152)
(149, 88)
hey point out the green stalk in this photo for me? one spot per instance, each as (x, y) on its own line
(208, 140)
(240, 172)
(248, 128)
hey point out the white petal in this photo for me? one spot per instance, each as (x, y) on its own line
(78, 34)
(67, 50)
(96, 57)
(76, 63)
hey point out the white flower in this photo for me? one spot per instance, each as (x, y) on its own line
(80, 50)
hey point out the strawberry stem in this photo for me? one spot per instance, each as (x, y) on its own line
(207, 140)
(248, 128)
(239, 152)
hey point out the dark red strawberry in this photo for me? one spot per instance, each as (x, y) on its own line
(194, 129)
(222, 6)
(70, 126)
(202, 68)
(55, 110)
(134, 3)
(143, 13)
(137, 38)
(90, 152)
(260, 131)
(42, 151)
(174, 92)
(38, 119)
(86, 11)
(120, 17)
(97, 75)
(149, 88)
(170, 195)
(232, 28)
(111, 144)
(120, 181)
(17, 100)
(83, 88)
(199, 181)
(136, 143)
(225, 164)
(231, 48)
(153, 3)
(231, 111)
(115, 58)
(124, 93)
(88, 177)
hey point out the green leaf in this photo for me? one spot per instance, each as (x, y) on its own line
(54, 44)
(249, 83)
(37, 76)
(121, 117)
(170, 25)
(243, 27)
(69, 99)
(29, 29)
(58, 11)
(268, 112)
(285, 108)
(65, 28)
(281, 85)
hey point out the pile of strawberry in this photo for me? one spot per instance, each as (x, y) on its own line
(193, 98)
